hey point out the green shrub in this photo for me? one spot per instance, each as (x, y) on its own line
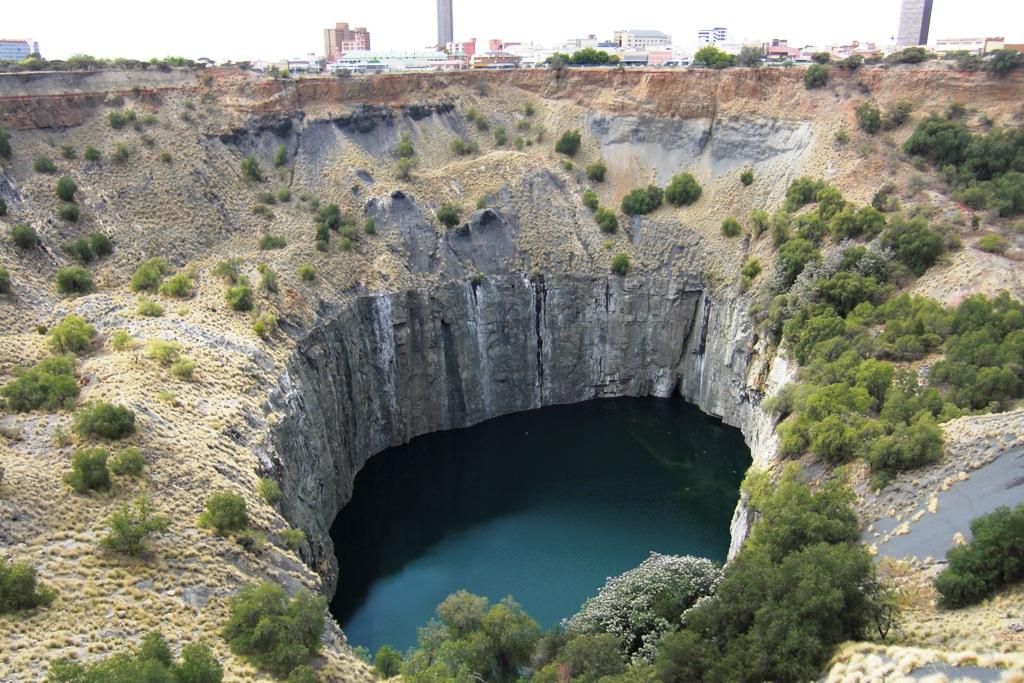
(269, 490)
(103, 420)
(68, 212)
(19, 588)
(993, 559)
(166, 353)
(71, 335)
(294, 538)
(268, 242)
(405, 167)
(66, 188)
(5, 281)
(869, 117)
(606, 219)
(128, 462)
(405, 149)
(683, 190)
(597, 171)
(747, 176)
(274, 632)
(178, 286)
(816, 76)
(130, 527)
(118, 119)
(74, 280)
(149, 274)
(263, 211)
(230, 270)
(121, 153)
(184, 369)
(121, 340)
(265, 325)
(44, 164)
(100, 244)
(731, 227)
(590, 199)
(642, 201)
(280, 156)
(148, 308)
(284, 195)
(79, 249)
(712, 57)
(994, 244)
(750, 270)
(914, 244)
(239, 297)
(225, 513)
(568, 143)
(449, 214)
(500, 136)
(3, 207)
(165, 156)
(388, 662)
(251, 169)
(620, 264)
(760, 221)
(50, 385)
(89, 470)
(793, 257)
(307, 272)
(151, 662)
(370, 227)
(5, 144)
(464, 147)
(91, 154)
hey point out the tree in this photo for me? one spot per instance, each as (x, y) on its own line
(225, 512)
(596, 171)
(869, 117)
(750, 55)
(1002, 62)
(793, 256)
(50, 385)
(74, 280)
(71, 335)
(606, 219)
(590, 199)
(151, 661)
(272, 631)
(816, 76)
(710, 56)
(642, 200)
(569, 143)
(66, 188)
(387, 662)
(19, 589)
(131, 525)
(149, 274)
(821, 57)
(915, 244)
(89, 471)
(239, 297)
(620, 264)
(683, 190)
(993, 559)
(103, 420)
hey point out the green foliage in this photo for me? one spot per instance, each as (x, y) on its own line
(596, 171)
(821, 57)
(620, 264)
(71, 335)
(795, 590)
(91, 154)
(994, 244)
(68, 212)
(405, 167)
(914, 244)
(149, 274)
(683, 190)
(5, 281)
(816, 76)
(387, 663)
(760, 220)
(152, 662)
(100, 244)
(404, 149)
(131, 525)
(492, 641)
(163, 352)
(307, 273)
(710, 56)
(251, 169)
(74, 280)
(274, 632)
(642, 200)
(464, 147)
(121, 153)
(66, 188)
(845, 290)
(606, 219)
(993, 559)
(3, 207)
(178, 286)
(750, 270)
(225, 513)
(44, 164)
(19, 589)
(148, 308)
(294, 538)
(103, 420)
(568, 143)
(118, 119)
(121, 340)
(869, 117)
(803, 191)
(269, 242)
(239, 297)
(909, 55)
(89, 471)
(500, 136)
(5, 144)
(269, 490)
(50, 385)
(590, 199)
(793, 257)
(280, 156)
(268, 278)
(1002, 62)
(450, 213)
(731, 227)
(747, 177)
(184, 369)
(128, 462)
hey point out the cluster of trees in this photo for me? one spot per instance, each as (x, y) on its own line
(986, 168)
(588, 56)
(993, 559)
(83, 62)
(19, 589)
(682, 190)
(151, 661)
(871, 119)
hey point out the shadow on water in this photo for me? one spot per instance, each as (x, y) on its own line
(542, 505)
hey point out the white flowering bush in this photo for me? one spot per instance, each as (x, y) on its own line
(642, 604)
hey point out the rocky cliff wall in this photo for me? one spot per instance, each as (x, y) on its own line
(389, 367)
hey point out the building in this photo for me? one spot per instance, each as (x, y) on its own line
(307, 65)
(341, 39)
(496, 60)
(445, 23)
(641, 40)
(978, 46)
(461, 49)
(15, 50)
(363, 61)
(915, 17)
(712, 36)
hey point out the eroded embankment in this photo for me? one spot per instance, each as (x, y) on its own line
(389, 367)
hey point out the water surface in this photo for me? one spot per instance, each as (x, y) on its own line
(541, 505)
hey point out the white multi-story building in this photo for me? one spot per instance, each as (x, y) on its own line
(712, 36)
(366, 61)
(15, 50)
(978, 46)
(642, 40)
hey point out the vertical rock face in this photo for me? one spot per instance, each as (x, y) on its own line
(389, 367)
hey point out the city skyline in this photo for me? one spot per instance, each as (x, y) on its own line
(266, 35)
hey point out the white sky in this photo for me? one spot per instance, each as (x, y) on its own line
(258, 29)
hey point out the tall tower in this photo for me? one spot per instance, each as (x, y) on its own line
(915, 16)
(445, 25)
